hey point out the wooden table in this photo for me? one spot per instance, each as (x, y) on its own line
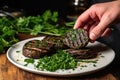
(10, 72)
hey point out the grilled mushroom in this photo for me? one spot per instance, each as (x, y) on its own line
(47, 46)
(76, 39)
(82, 53)
(36, 49)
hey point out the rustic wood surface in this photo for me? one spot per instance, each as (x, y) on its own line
(10, 72)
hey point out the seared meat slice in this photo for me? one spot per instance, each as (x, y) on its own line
(82, 53)
(47, 46)
(57, 41)
(37, 49)
(76, 39)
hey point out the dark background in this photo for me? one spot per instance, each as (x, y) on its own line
(34, 7)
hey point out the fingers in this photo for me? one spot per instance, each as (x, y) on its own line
(98, 30)
(82, 20)
(106, 32)
(95, 22)
(86, 18)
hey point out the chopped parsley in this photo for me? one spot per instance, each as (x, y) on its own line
(60, 60)
(29, 60)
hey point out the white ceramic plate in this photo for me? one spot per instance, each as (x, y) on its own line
(106, 56)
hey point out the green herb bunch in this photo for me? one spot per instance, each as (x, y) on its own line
(47, 23)
(7, 34)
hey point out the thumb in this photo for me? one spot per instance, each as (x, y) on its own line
(96, 33)
(99, 29)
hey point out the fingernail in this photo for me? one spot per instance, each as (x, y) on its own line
(74, 28)
(92, 36)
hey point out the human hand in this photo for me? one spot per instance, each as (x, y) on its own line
(98, 18)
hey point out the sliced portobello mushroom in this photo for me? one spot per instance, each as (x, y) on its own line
(37, 49)
(76, 39)
(82, 53)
